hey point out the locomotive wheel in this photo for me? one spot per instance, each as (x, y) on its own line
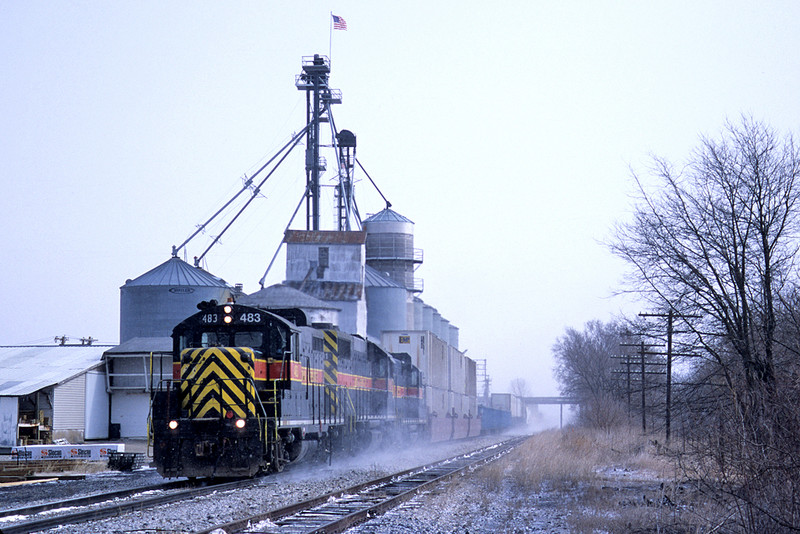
(279, 458)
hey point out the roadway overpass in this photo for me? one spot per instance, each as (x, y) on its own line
(561, 401)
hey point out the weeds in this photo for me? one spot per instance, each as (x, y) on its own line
(603, 481)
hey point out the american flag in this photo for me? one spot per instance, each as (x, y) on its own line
(338, 22)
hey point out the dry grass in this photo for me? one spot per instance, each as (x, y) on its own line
(557, 460)
(605, 482)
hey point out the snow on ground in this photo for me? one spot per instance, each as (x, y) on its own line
(469, 506)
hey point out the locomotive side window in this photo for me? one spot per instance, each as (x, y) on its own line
(278, 343)
(183, 342)
(316, 343)
(382, 368)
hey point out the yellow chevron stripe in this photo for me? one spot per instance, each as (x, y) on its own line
(212, 373)
(240, 391)
(227, 404)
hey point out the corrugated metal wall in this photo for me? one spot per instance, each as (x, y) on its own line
(96, 409)
(69, 405)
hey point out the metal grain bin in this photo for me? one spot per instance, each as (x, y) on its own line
(454, 336)
(390, 247)
(436, 324)
(386, 303)
(152, 304)
(418, 304)
(444, 330)
(427, 317)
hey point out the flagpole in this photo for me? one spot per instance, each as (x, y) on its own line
(330, 35)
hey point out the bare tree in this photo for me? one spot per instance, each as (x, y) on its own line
(519, 387)
(584, 369)
(718, 239)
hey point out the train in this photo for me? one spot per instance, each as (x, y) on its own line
(255, 389)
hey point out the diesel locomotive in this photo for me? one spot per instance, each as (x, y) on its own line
(254, 389)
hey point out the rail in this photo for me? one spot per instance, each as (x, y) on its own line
(339, 510)
(111, 505)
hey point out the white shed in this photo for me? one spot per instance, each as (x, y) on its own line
(52, 392)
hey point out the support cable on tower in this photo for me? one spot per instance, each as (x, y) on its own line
(252, 197)
(293, 142)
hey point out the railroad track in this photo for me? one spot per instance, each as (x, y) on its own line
(109, 504)
(339, 510)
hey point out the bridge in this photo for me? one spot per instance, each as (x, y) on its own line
(561, 401)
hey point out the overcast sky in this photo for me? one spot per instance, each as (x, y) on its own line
(506, 131)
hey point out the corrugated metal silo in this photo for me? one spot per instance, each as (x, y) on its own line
(390, 247)
(152, 304)
(436, 323)
(386, 303)
(454, 336)
(427, 317)
(444, 330)
(418, 305)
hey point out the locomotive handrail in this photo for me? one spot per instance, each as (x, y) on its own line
(352, 407)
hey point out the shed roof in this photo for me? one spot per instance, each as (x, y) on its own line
(176, 272)
(24, 370)
(281, 296)
(139, 345)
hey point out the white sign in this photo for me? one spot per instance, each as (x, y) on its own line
(65, 452)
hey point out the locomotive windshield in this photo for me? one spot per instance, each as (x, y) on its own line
(245, 328)
(234, 339)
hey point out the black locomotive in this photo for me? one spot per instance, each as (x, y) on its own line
(253, 389)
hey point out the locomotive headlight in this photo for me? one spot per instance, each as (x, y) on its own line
(228, 319)
(173, 424)
(239, 423)
(227, 309)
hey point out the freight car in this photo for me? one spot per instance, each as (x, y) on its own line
(253, 389)
(494, 420)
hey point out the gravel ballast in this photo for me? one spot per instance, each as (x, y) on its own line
(302, 482)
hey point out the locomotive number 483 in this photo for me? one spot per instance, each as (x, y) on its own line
(250, 317)
(247, 317)
(209, 318)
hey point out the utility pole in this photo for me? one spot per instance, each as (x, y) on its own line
(644, 420)
(671, 316)
(643, 363)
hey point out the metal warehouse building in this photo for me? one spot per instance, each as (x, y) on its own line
(52, 392)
